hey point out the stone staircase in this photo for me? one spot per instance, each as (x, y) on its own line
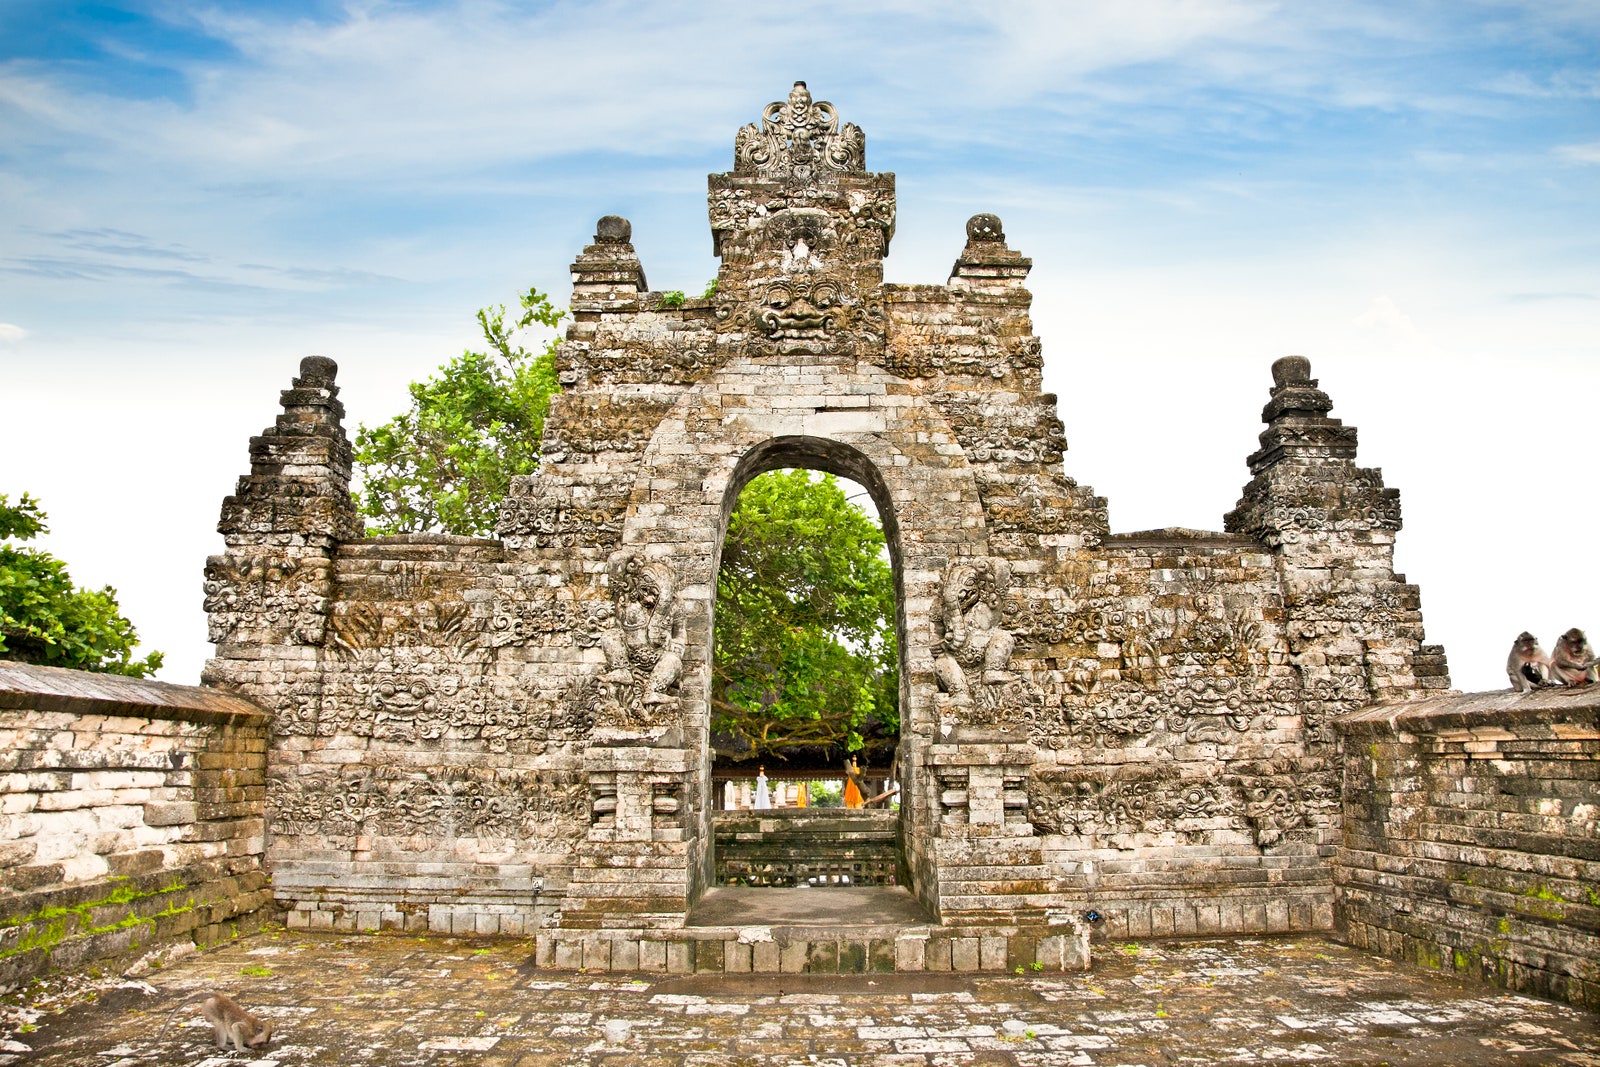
(819, 847)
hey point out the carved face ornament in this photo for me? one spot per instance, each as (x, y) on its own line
(801, 310)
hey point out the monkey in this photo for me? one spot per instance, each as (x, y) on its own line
(1572, 661)
(1527, 666)
(231, 1022)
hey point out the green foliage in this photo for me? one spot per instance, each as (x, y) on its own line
(711, 290)
(805, 642)
(827, 794)
(45, 619)
(674, 299)
(446, 464)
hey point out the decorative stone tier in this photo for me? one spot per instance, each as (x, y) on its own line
(806, 846)
(1472, 838)
(130, 819)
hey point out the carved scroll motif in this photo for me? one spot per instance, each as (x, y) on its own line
(799, 138)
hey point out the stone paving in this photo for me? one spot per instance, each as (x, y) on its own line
(395, 1001)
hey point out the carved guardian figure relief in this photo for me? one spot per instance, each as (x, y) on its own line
(644, 644)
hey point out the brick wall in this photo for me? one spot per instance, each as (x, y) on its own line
(1472, 838)
(130, 819)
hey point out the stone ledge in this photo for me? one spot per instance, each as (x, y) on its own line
(1469, 710)
(1184, 538)
(27, 687)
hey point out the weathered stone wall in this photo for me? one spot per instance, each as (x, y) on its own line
(1472, 838)
(130, 818)
(498, 734)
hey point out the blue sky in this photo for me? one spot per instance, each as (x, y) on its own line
(193, 197)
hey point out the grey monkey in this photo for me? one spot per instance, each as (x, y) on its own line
(1572, 661)
(231, 1022)
(1527, 666)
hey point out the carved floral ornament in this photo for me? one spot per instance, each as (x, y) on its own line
(444, 803)
(1277, 807)
(799, 138)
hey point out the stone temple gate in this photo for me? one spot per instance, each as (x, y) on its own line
(512, 735)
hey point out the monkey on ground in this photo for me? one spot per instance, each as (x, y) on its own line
(231, 1022)
(1527, 666)
(1572, 661)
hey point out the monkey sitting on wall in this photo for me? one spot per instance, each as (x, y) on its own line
(1572, 661)
(1527, 666)
(231, 1022)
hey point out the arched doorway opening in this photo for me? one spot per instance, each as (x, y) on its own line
(806, 680)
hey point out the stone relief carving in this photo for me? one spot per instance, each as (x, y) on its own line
(916, 351)
(1096, 803)
(799, 139)
(601, 424)
(643, 644)
(266, 590)
(546, 514)
(972, 648)
(681, 358)
(439, 804)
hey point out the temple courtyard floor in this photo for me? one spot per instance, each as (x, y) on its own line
(394, 1001)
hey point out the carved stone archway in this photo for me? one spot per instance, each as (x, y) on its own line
(508, 735)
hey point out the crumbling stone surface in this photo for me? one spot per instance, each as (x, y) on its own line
(1472, 838)
(1135, 724)
(130, 819)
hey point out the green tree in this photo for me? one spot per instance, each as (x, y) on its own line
(45, 619)
(805, 643)
(446, 464)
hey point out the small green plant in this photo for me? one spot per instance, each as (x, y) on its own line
(1036, 966)
(482, 951)
(1130, 949)
(255, 970)
(711, 290)
(1029, 1034)
(1019, 971)
(27, 1028)
(674, 299)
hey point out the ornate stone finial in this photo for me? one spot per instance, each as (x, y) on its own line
(613, 230)
(985, 227)
(799, 138)
(608, 270)
(1291, 370)
(1295, 392)
(986, 262)
(318, 370)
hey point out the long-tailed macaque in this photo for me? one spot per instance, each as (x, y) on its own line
(1572, 661)
(231, 1022)
(1527, 666)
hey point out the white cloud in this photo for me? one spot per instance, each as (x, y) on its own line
(1580, 153)
(471, 85)
(11, 333)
